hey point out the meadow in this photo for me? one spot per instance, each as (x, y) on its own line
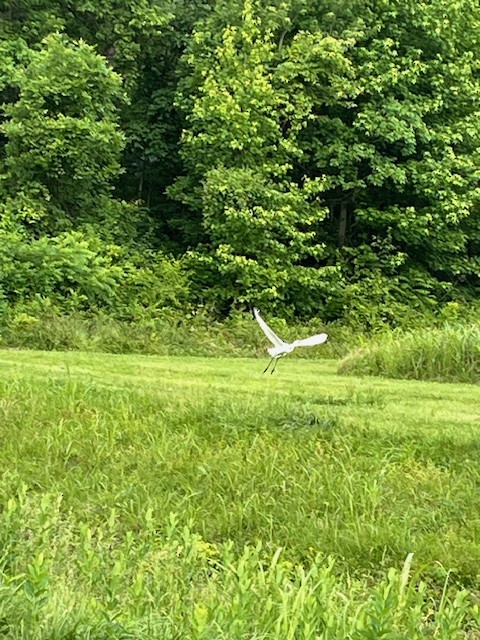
(193, 498)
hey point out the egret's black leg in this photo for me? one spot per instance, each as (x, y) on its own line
(266, 368)
(274, 366)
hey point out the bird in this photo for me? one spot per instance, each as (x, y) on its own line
(281, 348)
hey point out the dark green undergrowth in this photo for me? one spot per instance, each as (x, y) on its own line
(450, 353)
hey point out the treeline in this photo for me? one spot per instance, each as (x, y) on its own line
(314, 158)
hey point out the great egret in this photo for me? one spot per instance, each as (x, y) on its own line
(281, 348)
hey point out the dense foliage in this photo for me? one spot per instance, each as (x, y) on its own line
(318, 159)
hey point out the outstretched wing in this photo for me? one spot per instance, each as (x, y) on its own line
(320, 338)
(271, 335)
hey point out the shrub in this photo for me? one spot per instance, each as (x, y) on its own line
(75, 272)
(69, 270)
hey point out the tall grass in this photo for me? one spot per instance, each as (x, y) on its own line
(63, 578)
(172, 333)
(451, 353)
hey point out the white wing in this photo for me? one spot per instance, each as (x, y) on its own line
(320, 338)
(271, 335)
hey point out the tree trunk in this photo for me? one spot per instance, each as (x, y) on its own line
(342, 226)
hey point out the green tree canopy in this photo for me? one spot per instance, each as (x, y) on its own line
(261, 229)
(63, 139)
(319, 158)
(365, 116)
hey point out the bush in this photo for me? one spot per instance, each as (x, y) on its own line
(74, 272)
(374, 300)
(450, 353)
(70, 271)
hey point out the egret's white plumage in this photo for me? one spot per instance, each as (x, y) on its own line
(281, 348)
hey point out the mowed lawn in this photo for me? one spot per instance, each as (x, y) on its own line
(100, 449)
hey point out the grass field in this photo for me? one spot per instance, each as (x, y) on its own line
(148, 497)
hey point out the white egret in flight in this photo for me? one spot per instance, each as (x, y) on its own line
(281, 348)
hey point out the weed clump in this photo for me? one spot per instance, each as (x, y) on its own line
(447, 354)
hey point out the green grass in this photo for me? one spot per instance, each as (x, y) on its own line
(450, 353)
(147, 497)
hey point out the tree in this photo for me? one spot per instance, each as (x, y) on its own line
(329, 160)
(63, 140)
(373, 102)
(401, 161)
(137, 40)
(153, 124)
(262, 238)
